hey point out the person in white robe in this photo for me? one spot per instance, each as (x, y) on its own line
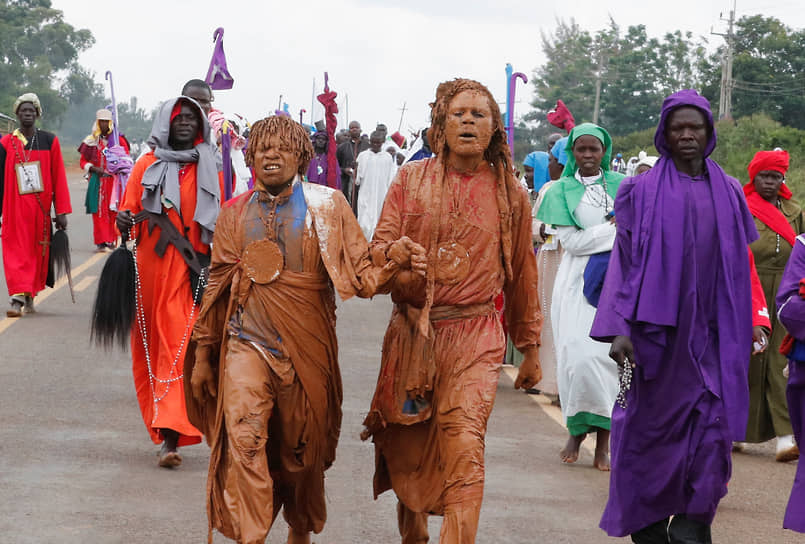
(579, 207)
(376, 170)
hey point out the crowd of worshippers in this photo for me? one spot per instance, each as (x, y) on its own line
(657, 300)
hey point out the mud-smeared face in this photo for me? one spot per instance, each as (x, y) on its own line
(275, 164)
(469, 125)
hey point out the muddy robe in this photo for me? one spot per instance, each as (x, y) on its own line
(168, 309)
(276, 422)
(434, 458)
(26, 218)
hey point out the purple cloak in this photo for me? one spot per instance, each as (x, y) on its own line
(791, 312)
(678, 285)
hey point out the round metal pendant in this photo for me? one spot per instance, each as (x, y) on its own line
(452, 263)
(263, 261)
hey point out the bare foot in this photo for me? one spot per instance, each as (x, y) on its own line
(601, 458)
(169, 456)
(570, 453)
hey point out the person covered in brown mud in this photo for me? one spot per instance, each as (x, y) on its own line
(444, 347)
(265, 381)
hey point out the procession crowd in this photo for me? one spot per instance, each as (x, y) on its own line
(658, 301)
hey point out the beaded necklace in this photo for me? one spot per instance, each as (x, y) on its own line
(174, 375)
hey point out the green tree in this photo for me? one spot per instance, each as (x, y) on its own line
(36, 46)
(569, 71)
(636, 73)
(768, 68)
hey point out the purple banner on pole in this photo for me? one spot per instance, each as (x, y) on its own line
(218, 76)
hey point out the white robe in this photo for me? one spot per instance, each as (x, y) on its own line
(587, 378)
(374, 176)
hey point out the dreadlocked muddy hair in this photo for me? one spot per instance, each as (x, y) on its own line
(498, 152)
(293, 137)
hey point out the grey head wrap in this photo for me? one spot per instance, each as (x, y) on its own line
(162, 177)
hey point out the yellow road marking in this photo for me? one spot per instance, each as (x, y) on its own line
(8, 321)
(83, 284)
(553, 412)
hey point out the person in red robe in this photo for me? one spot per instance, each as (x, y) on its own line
(32, 180)
(101, 182)
(444, 346)
(178, 182)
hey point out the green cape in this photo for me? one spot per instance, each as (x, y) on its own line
(563, 197)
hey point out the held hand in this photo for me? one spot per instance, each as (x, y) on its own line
(203, 378)
(61, 221)
(124, 220)
(621, 350)
(760, 340)
(530, 372)
(542, 233)
(408, 254)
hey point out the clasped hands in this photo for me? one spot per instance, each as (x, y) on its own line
(408, 254)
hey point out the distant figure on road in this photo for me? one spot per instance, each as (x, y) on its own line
(32, 181)
(265, 378)
(101, 184)
(376, 169)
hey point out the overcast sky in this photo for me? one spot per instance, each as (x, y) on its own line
(380, 54)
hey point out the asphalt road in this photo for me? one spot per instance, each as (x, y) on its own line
(77, 466)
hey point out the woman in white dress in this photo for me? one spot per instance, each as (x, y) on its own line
(579, 207)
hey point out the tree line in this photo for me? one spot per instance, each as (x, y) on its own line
(637, 72)
(39, 53)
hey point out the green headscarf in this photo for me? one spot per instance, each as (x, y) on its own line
(558, 207)
(587, 129)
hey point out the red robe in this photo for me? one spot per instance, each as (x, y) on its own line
(168, 311)
(103, 220)
(26, 218)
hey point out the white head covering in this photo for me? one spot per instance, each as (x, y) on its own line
(28, 97)
(645, 159)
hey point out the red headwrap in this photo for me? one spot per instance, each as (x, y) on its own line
(398, 138)
(768, 160)
(760, 207)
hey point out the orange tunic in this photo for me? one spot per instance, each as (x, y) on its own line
(166, 313)
(434, 460)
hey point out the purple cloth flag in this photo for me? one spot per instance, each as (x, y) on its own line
(218, 76)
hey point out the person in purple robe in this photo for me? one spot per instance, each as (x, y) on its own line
(791, 313)
(677, 307)
(317, 170)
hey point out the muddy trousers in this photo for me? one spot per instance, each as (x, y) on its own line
(264, 411)
(680, 530)
(459, 526)
(463, 496)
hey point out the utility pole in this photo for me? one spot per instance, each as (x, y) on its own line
(725, 96)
